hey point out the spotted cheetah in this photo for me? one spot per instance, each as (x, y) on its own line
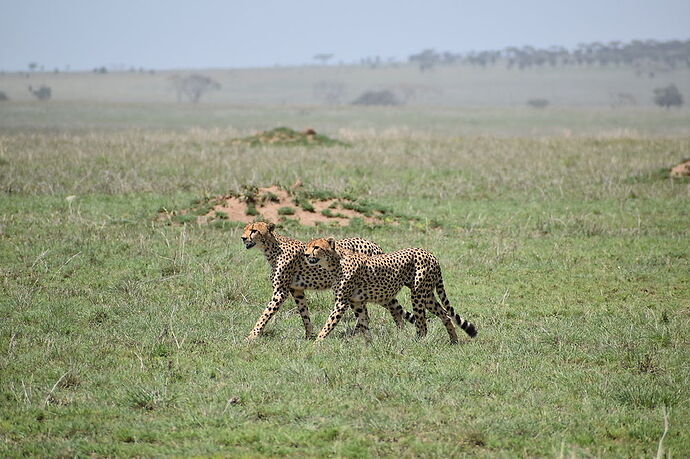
(378, 279)
(290, 274)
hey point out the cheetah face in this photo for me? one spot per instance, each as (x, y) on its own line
(256, 233)
(319, 251)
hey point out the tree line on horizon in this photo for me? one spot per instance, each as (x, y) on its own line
(670, 54)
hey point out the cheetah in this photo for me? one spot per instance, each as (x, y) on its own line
(363, 278)
(291, 275)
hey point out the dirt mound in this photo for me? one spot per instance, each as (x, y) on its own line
(681, 170)
(284, 136)
(278, 204)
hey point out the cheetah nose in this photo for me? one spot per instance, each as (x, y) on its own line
(312, 260)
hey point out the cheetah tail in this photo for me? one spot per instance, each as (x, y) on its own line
(408, 316)
(467, 326)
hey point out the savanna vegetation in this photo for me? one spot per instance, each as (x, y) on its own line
(560, 234)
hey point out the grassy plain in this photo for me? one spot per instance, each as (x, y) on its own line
(447, 86)
(560, 237)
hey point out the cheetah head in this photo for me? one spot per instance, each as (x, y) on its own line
(257, 233)
(320, 251)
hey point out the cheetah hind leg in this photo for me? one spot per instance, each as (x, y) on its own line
(467, 326)
(406, 315)
(303, 309)
(398, 313)
(436, 308)
(362, 315)
(419, 312)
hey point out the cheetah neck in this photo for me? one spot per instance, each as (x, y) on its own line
(340, 252)
(347, 259)
(271, 248)
(334, 257)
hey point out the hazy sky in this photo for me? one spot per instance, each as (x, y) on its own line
(206, 33)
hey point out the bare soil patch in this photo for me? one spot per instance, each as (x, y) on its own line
(279, 204)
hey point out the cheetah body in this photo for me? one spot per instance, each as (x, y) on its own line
(289, 253)
(378, 279)
(292, 275)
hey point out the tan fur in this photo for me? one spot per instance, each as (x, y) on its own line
(379, 278)
(290, 273)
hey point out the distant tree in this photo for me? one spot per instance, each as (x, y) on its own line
(384, 97)
(426, 60)
(101, 70)
(192, 87)
(331, 92)
(42, 93)
(3, 96)
(323, 58)
(33, 66)
(668, 96)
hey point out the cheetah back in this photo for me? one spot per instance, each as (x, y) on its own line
(379, 278)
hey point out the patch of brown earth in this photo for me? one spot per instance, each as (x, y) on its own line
(268, 201)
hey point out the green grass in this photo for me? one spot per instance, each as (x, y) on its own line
(286, 211)
(329, 213)
(121, 336)
(251, 209)
(349, 124)
(303, 203)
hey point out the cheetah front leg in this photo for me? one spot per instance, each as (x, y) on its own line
(333, 319)
(273, 306)
(343, 293)
(301, 303)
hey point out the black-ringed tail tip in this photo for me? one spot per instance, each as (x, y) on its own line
(467, 326)
(470, 329)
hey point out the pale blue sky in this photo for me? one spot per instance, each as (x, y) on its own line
(210, 33)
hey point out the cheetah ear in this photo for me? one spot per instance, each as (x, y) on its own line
(331, 243)
(271, 226)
